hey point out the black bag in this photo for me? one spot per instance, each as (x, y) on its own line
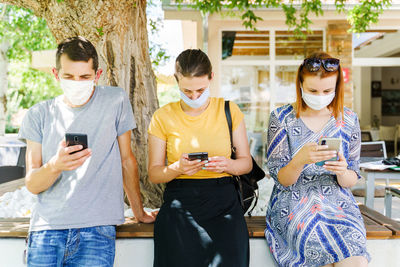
(246, 183)
(391, 161)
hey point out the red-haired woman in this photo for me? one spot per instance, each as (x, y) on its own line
(312, 218)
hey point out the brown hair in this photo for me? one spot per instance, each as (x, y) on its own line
(193, 63)
(77, 48)
(337, 103)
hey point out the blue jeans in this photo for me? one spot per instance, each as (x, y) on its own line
(92, 246)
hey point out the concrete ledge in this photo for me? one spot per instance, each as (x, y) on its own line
(139, 252)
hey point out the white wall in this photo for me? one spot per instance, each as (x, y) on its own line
(129, 252)
(139, 252)
(357, 92)
(361, 94)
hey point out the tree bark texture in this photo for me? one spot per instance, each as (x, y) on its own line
(118, 29)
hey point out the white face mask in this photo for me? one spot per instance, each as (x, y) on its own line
(77, 92)
(197, 102)
(317, 102)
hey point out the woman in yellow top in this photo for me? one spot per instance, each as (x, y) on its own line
(201, 221)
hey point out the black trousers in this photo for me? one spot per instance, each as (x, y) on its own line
(201, 224)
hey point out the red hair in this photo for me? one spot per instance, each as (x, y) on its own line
(337, 103)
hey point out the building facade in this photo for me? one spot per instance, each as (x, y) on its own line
(257, 69)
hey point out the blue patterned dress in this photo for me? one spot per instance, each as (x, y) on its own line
(314, 221)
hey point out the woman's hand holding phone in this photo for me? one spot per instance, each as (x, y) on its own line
(189, 167)
(65, 158)
(218, 164)
(312, 153)
(338, 167)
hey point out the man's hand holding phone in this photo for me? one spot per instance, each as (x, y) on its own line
(69, 157)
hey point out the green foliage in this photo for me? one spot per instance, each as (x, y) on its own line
(24, 32)
(100, 31)
(340, 5)
(365, 14)
(171, 94)
(26, 87)
(297, 12)
(29, 86)
(158, 54)
(249, 18)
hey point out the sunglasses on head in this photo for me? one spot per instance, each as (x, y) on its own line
(314, 64)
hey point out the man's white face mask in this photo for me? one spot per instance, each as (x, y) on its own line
(77, 92)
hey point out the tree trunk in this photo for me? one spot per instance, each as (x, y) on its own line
(3, 85)
(118, 29)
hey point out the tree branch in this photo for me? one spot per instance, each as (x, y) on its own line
(297, 12)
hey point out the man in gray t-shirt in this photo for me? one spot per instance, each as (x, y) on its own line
(80, 191)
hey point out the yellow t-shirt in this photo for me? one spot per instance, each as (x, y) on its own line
(207, 132)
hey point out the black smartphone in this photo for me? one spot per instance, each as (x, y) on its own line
(198, 155)
(73, 139)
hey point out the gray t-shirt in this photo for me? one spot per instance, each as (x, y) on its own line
(92, 194)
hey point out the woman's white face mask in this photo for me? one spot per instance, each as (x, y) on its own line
(317, 102)
(77, 92)
(200, 101)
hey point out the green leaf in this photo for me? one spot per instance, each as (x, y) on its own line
(366, 13)
(100, 31)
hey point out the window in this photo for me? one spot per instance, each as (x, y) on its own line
(245, 45)
(290, 47)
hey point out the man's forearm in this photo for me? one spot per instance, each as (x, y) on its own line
(131, 186)
(41, 179)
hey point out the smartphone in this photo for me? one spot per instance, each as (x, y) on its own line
(333, 144)
(73, 139)
(198, 155)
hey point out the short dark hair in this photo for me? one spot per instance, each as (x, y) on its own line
(77, 48)
(192, 63)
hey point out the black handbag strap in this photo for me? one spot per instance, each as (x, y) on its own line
(229, 120)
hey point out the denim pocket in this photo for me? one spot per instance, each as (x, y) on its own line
(107, 231)
(36, 237)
